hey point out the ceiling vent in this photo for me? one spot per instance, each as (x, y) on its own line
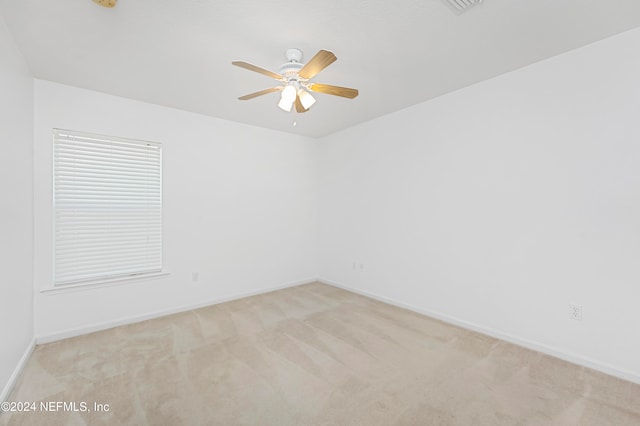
(460, 6)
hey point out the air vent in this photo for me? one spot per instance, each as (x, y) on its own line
(459, 6)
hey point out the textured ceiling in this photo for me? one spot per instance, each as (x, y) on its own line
(397, 53)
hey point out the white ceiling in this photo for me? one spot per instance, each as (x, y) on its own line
(397, 53)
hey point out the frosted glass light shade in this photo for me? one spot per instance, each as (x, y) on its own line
(289, 93)
(306, 99)
(287, 98)
(285, 105)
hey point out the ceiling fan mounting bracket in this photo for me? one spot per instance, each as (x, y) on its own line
(294, 55)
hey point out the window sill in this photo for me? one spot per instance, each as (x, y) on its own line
(90, 285)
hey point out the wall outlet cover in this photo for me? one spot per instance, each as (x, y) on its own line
(575, 312)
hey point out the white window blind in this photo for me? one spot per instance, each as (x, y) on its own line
(108, 207)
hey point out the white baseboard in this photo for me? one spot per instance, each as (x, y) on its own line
(539, 347)
(16, 372)
(48, 338)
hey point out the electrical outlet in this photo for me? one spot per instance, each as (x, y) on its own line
(575, 312)
(195, 276)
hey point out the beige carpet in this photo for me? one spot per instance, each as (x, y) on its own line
(312, 355)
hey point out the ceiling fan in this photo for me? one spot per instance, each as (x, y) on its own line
(295, 78)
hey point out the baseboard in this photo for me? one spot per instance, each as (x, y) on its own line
(16, 372)
(539, 347)
(48, 338)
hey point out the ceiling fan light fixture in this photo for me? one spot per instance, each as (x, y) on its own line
(285, 105)
(287, 98)
(289, 93)
(306, 99)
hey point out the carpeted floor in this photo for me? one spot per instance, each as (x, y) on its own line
(311, 355)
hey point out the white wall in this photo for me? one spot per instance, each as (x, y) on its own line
(16, 209)
(495, 206)
(498, 205)
(239, 208)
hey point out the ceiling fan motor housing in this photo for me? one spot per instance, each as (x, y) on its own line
(290, 69)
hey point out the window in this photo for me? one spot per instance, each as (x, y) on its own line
(107, 206)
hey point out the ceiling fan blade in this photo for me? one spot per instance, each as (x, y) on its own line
(260, 93)
(251, 67)
(345, 92)
(299, 106)
(320, 61)
(106, 3)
